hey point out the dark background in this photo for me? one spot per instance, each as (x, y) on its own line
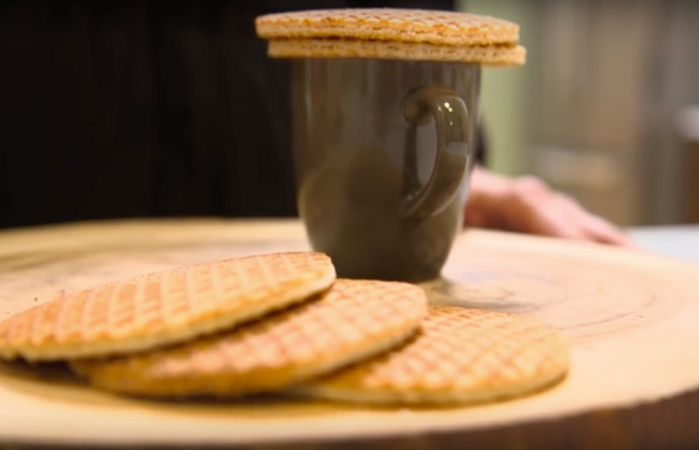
(112, 109)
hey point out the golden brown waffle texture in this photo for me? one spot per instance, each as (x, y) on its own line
(164, 308)
(390, 33)
(460, 356)
(390, 24)
(355, 320)
(283, 323)
(493, 55)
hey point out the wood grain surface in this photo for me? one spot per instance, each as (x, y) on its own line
(632, 320)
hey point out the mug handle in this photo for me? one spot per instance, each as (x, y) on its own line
(453, 154)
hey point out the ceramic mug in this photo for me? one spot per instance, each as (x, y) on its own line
(382, 151)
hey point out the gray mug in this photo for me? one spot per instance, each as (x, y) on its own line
(382, 151)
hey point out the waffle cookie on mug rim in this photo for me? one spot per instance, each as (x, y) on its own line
(391, 33)
(491, 55)
(390, 24)
(460, 356)
(354, 320)
(163, 308)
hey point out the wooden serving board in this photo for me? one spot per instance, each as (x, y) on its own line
(632, 319)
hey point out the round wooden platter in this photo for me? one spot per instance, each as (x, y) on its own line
(632, 320)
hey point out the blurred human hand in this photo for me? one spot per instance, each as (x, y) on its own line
(527, 205)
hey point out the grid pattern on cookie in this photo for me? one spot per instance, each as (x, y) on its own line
(459, 350)
(159, 306)
(275, 350)
(405, 25)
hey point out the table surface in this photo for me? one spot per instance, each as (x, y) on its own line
(676, 241)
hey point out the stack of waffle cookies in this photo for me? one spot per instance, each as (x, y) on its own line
(391, 33)
(283, 323)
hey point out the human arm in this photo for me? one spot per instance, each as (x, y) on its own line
(528, 205)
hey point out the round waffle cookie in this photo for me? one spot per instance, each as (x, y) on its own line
(354, 320)
(460, 356)
(390, 24)
(389, 33)
(491, 55)
(164, 308)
